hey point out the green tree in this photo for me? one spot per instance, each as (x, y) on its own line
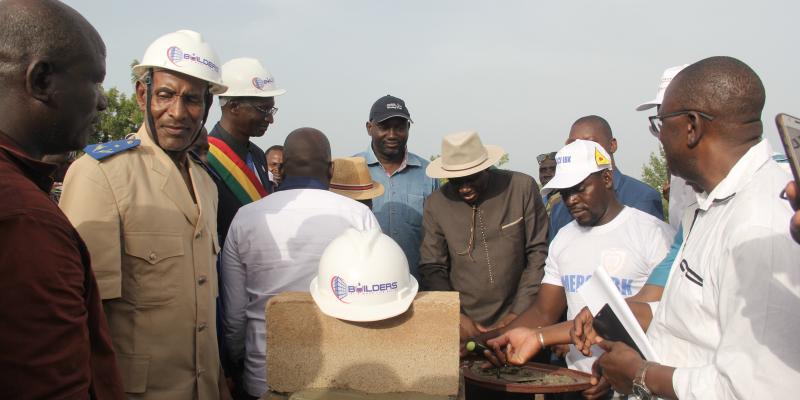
(656, 174)
(120, 118)
(503, 160)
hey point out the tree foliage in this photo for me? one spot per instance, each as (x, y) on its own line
(120, 118)
(656, 174)
(503, 160)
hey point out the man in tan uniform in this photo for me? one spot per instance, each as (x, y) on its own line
(148, 214)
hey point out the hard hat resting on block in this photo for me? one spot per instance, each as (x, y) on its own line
(363, 276)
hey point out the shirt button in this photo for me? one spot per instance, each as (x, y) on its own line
(202, 279)
(198, 234)
(152, 257)
(201, 327)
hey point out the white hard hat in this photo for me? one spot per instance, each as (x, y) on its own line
(186, 52)
(246, 77)
(363, 276)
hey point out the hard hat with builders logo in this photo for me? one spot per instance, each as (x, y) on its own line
(363, 276)
(186, 52)
(246, 77)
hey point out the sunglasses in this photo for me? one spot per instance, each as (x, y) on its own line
(545, 156)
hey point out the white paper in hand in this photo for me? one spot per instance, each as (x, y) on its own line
(599, 291)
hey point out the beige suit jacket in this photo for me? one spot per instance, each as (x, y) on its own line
(154, 255)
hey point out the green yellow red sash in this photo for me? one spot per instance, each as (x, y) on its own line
(234, 172)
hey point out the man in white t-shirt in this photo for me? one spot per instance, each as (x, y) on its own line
(624, 240)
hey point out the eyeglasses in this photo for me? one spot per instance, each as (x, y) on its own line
(263, 110)
(657, 120)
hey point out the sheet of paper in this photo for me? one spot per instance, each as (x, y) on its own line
(601, 290)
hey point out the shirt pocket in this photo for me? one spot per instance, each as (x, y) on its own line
(152, 266)
(413, 209)
(514, 228)
(134, 369)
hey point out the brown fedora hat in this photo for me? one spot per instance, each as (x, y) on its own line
(351, 179)
(463, 154)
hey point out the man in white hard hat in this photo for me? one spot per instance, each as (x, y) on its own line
(248, 108)
(484, 234)
(148, 214)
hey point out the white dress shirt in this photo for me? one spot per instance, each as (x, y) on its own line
(274, 245)
(730, 313)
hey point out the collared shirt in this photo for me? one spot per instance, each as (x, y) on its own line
(274, 245)
(630, 192)
(154, 251)
(54, 339)
(493, 254)
(399, 209)
(728, 318)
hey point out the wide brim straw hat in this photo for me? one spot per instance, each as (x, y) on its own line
(351, 179)
(463, 154)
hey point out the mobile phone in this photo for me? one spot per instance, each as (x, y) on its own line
(789, 130)
(608, 326)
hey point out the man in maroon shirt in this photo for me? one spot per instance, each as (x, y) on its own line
(54, 341)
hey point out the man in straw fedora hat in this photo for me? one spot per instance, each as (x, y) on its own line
(484, 234)
(351, 179)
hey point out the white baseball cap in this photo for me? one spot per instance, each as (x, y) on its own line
(666, 78)
(576, 161)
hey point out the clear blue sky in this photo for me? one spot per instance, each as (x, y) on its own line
(518, 72)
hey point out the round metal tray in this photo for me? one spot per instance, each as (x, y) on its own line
(581, 379)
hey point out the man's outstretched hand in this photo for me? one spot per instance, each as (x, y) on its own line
(516, 346)
(582, 332)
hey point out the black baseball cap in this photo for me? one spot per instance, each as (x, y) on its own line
(387, 107)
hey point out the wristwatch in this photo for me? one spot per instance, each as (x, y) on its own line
(639, 387)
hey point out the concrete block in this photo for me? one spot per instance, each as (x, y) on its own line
(413, 352)
(339, 394)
